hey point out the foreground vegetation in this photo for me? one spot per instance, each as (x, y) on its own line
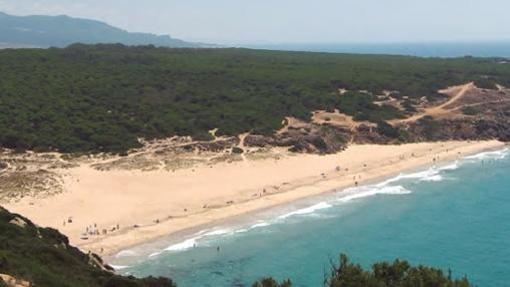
(43, 257)
(104, 97)
(384, 274)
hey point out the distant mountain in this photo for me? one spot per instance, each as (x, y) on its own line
(61, 31)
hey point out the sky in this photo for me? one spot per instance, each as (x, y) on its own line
(291, 21)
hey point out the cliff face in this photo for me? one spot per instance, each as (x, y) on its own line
(34, 256)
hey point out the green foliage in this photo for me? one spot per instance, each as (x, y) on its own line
(104, 97)
(388, 130)
(385, 274)
(44, 257)
(270, 282)
(119, 281)
(431, 128)
(361, 106)
(470, 111)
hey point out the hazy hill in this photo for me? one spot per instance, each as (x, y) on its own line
(61, 31)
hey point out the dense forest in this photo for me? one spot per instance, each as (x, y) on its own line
(43, 257)
(105, 97)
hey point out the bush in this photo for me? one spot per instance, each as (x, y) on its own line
(387, 130)
(396, 274)
(270, 282)
(236, 150)
(470, 111)
(384, 274)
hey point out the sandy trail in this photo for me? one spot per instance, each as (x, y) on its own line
(457, 91)
(146, 205)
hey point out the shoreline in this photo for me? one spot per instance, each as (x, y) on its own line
(158, 246)
(385, 162)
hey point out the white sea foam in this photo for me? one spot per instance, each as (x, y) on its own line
(155, 254)
(218, 232)
(307, 210)
(496, 155)
(371, 190)
(119, 267)
(388, 187)
(436, 177)
(192, 242)
(126, 253)
(431, 174)
(184, 245)
(452, 166)
(260, 224)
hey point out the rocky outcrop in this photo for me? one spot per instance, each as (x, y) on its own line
(11, 281)
(321, 139)
(19, 222)
(429, 129)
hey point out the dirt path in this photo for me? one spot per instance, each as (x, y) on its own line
(442, 109)
(241, 145)
(480, 104)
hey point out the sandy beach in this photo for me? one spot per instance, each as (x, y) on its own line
(107, 211)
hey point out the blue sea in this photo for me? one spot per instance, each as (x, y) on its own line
(455, 216)
(499, 49)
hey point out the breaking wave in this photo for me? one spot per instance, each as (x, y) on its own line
(307, 210)
(119, 267)
(391, 186)
(495, 155)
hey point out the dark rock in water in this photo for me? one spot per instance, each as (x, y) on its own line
(3, 165)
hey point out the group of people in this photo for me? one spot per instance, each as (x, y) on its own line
(93, 230)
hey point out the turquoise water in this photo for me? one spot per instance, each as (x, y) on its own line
(456, 216)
